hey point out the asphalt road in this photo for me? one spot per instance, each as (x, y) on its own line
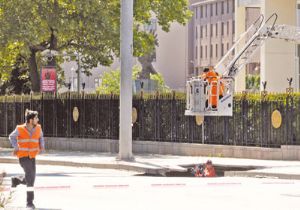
(59, 187)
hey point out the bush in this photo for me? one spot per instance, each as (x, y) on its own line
(4, 199)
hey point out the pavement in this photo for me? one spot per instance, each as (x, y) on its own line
(154, 164)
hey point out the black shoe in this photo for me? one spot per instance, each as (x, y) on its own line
(14, 182)
(30, 205)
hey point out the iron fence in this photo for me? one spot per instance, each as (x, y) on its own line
(159, 118)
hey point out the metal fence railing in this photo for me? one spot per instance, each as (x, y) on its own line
(158, 119)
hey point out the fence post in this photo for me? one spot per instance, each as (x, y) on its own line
(244, 118)
(173, 117)
(43, 111)
(82, 125)
(69, 118)
(53, 116)
(110, 121)
(157, 116)
(141, 116)
(6, 120)
(22, 107)
(14, 112)
(264, 134)
(289, 113)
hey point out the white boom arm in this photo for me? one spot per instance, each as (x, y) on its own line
(249, 42)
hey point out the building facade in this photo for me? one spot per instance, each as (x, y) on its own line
(212, 33)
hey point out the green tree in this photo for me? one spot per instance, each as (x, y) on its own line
(110, 81)
(253, 82)
(88, 27)
(18, 81)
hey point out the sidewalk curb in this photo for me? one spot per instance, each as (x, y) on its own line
(117, 166)
(257, 174)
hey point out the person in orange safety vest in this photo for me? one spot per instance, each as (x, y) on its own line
(213, 79)
(27, 141)
(207, 171)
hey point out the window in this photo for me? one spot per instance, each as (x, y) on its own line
(222, 49)
(211, 51)
(201, 12)
(217, 9)
(196, 12)
(206, 29)
(216, 29)
(206, 51)
(216, 50)
(211, 30)
(227, 46)
(201, 52)
(222, 7)
(196, 33)
(196, 53)
(206, 11)
(228, 28)
(211, 10)
(227, 6)
(201, 31)
(233, 6)
(222, 29)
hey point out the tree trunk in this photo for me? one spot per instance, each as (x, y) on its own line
(33, 72)
(53, 46)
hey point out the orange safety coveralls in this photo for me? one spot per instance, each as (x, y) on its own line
(212, 78)
(209, 172)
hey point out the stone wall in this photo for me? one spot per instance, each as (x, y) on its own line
(168, 148)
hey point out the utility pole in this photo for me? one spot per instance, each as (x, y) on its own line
(126, 37)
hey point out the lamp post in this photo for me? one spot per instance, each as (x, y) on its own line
(125, 138)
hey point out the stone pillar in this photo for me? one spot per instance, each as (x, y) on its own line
(278, 57)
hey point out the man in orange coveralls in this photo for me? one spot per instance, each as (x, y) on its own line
(209, 170)
(212, 79)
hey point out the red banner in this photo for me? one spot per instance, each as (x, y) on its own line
(48, 79)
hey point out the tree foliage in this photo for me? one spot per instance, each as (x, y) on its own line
(110, 81)
(88, 27)
(253, 82)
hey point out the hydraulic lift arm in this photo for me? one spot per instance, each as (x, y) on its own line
(240, 54)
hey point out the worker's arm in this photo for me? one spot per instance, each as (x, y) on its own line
(42, 142)
(13, 140)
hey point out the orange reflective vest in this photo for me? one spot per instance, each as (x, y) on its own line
(212, 79)
(29, 146)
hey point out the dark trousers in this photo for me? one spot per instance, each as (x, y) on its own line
(28, 165)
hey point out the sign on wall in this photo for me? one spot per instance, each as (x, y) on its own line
(246, 3)
(48, 79)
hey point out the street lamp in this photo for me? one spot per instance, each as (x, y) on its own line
(126, 37)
